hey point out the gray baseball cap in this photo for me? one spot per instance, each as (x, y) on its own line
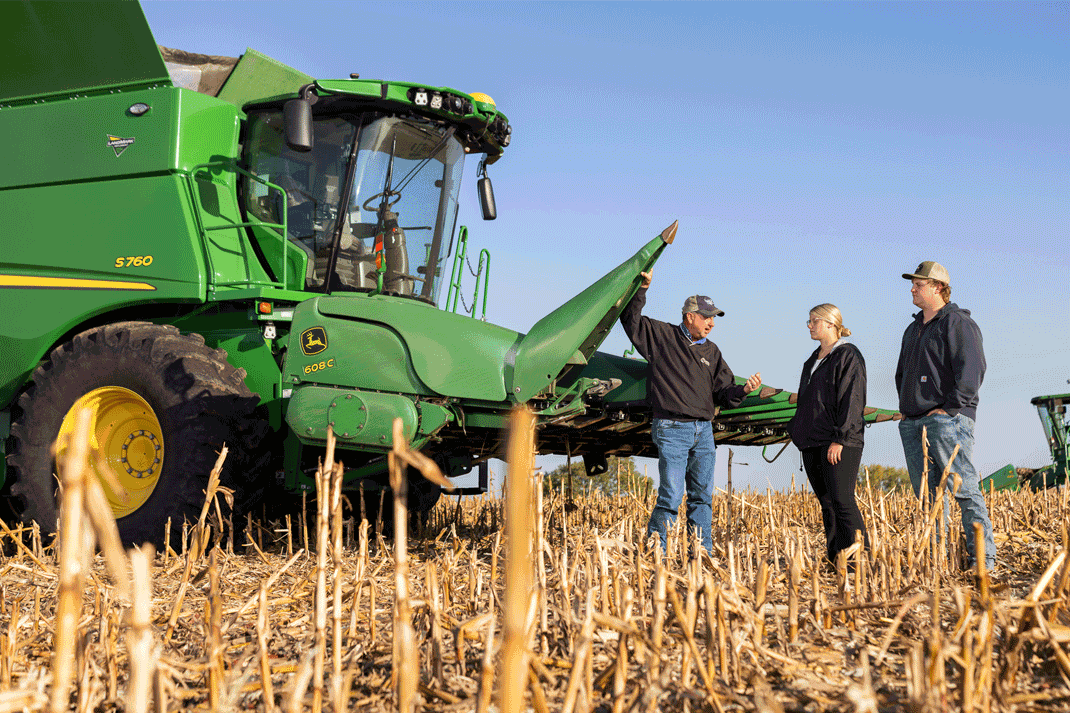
(703, 305)
(929, 270)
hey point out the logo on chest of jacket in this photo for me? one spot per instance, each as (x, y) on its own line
(924, 379)
(703, 360)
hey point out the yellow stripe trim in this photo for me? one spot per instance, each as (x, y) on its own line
(67, 283)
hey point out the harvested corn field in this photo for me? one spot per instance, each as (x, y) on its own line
(538, 602)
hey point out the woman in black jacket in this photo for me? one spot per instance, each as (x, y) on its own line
(827, 426)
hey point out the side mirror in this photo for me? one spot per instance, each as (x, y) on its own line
(486, 198)
(297, 114)
(486, 192)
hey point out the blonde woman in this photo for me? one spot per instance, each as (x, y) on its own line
(827, 427)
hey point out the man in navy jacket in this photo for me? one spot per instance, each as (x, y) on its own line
(941, 366)
(687, 381)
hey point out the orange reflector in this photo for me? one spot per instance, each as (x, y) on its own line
(264, 308)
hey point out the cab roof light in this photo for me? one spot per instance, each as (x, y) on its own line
(440, 101)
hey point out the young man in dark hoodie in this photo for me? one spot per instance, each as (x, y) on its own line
(941, 366)
(687, 380)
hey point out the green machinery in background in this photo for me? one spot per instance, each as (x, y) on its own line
(210, 250)
(1056, 425)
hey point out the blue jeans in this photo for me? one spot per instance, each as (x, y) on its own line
(944, 433)
(686, 457)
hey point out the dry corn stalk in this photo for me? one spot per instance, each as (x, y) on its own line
(76, 542)
(142, 653)
(406, 666)
(518, 563)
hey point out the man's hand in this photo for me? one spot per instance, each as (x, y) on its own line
(647, 276)
(753, 383)
(835, 451)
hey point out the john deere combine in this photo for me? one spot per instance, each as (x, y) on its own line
(1056, 425)
(209, 250)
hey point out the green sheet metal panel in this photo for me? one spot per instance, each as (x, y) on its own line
(1006, 478)
(75, 47)
(755, 404)
(359, 418)
(97, 138)
(432, 417)
(71, 143)
(88, 139)
(258, 77)
(579, 325)
(783, 414)
(454, 355)
(362, 355)
(110, 221)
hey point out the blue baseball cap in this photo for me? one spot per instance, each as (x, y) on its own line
(703, 305)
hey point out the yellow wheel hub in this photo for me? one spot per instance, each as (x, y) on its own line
(125, 431)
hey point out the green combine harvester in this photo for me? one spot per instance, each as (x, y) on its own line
(211, 250)
(1056, 425)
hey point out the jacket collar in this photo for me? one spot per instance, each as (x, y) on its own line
(813, 358)
(689, 338)
(944, 311)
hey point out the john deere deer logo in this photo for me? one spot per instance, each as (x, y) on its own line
(313, 341)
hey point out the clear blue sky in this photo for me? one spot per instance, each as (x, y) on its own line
(812, 152)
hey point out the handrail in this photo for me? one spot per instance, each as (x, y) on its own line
(457, 270)
(280, 228)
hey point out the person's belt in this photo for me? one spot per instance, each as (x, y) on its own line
(677, 417)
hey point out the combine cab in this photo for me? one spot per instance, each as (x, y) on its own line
(1056, 425)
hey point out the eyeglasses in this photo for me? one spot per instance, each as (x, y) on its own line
(814, 322)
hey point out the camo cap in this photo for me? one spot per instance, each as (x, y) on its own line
(929, 270)
(703, 305)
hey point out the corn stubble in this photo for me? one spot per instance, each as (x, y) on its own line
(528, 602)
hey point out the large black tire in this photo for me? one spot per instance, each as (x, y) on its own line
(200, 402)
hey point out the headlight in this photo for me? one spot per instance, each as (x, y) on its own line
(501, 130)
